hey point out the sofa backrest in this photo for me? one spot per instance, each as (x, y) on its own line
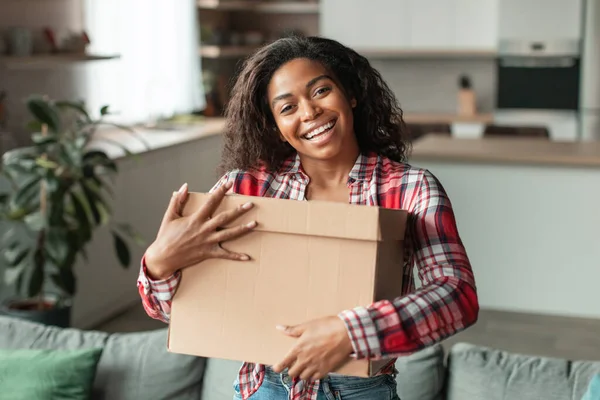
(476, 372)
(132, 365)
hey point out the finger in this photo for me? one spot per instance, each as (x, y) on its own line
(287, 362)
(222, 219)
(307, 374)
(208, 208)
(293, 331)
(175, 204)
(221, 253)
(316, 376)
(297, 369)
(232, 233)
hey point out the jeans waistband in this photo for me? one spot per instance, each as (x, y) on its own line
(331, 382)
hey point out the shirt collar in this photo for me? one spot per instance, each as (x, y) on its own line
(361, 171)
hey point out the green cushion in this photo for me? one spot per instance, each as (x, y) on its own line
(593, 391)
(47, 374)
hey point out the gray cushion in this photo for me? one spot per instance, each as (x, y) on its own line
(477, 372)
(132, 366)
(421, 375)
(219, 378)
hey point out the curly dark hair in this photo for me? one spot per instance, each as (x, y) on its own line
(251, 137)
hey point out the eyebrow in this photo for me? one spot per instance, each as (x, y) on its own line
(308, 85)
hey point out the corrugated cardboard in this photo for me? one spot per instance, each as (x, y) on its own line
(309, 259)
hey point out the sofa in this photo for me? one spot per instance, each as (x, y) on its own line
(137, 366)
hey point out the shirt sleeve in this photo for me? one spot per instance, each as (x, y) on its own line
(156, 295)
(445, 304)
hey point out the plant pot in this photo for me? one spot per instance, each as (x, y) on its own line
(28, 309)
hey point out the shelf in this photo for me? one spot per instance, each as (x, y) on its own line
(283, 6)
(226, 51)
(427, 54)
(48, 60)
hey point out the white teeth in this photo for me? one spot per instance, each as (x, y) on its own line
(319, 130)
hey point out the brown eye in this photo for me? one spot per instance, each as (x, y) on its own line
(286, 109)
(322, 90)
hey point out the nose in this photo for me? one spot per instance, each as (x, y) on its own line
(310, 110)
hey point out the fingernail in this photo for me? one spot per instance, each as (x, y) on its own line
(247, 206)
(228, 185)
(281, 327)
(244, 257)
(251, 224)
(182, 188)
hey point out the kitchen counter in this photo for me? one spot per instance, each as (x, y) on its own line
(150, 139)
(526, 211)
(441, 118)
(507, 151)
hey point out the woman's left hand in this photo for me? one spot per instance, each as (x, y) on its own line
(322, 346)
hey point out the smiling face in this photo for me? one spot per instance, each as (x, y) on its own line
(312, 111)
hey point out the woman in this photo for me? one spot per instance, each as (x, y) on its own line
(310, 119)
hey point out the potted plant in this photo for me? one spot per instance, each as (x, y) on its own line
(59, 195)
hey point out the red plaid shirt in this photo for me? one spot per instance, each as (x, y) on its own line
(445, 304)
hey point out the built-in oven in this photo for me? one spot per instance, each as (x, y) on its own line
(539, 82)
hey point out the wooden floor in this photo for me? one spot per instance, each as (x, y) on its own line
(571, 338)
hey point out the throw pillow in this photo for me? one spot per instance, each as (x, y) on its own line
(593, 391)
(47, 374)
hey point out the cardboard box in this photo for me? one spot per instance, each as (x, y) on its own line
(309, 259)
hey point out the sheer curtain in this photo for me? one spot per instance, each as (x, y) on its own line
(159, 72)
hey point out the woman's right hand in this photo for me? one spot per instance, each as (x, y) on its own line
(185, 241)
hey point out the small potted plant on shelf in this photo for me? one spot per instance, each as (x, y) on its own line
(59, 195)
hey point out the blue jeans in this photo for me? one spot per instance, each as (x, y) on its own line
(277, 387)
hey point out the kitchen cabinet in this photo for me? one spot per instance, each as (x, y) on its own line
(455, 25)
(476, 24)
(362, 24)
(540, 19)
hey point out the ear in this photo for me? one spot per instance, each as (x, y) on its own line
(353, 102)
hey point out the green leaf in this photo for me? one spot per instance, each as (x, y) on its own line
(65, 279)
(79, 107)
(27, 193)
(35, 221)
(12, 276)
(83, 215)
(57, 245)
(98, 205)
(7, 237)
(104, 110)
(19, 153)
(99, 158)
(42, 140)
(91, 200)
(36, 281)
(34, 126)
(122, 250)
(14, 257)
(17, 213)
(47, 164)
(44, 112)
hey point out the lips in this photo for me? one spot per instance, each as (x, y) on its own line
(319, 131)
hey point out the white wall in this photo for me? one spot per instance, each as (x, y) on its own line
(432, 85)
(532, 234)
